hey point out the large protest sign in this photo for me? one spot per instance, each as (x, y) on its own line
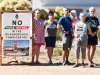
(16, 32)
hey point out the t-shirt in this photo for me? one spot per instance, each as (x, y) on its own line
(93, 22)
(81, 29)
(66, 25)
(74, 20)
(50, 29)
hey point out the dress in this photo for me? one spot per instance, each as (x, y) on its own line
(38, 32)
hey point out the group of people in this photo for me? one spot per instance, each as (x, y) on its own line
(84, 31)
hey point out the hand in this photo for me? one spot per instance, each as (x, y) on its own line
(78, 35)
(93, 34)
(66, 32)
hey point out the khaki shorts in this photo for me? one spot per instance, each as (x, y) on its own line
(67, 42)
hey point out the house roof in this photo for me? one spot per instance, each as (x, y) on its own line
(70, 2)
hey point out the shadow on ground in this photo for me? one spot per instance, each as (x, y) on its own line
(46, 64)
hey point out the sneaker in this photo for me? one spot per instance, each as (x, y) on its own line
(50, 62)
(68, 63)
(64, 63)
(91, 65)
(83, 64)
(76, 65)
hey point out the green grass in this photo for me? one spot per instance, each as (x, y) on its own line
(57, 52)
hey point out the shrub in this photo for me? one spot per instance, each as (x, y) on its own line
(44, 14)
(10, 5)
(58, 12)
(98, 34)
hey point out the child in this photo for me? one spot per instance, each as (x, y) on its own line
(50, 35)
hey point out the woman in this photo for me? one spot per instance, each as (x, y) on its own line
(50, 35)
(73, 18)
(38, 32)
(81, 39)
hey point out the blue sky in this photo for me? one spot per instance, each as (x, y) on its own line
(20, 43)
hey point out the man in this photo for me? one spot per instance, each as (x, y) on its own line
(93, 22)
(64, 25)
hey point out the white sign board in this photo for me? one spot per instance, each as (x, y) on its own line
(16, 26)
(16, 32)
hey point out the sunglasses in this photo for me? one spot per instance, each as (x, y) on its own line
(51, 15)
(66, 10)
(92, 11)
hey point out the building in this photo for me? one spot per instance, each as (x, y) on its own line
(79, 5)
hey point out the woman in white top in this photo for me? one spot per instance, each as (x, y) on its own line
(81, 39)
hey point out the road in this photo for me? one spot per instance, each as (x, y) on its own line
(56, 69)
(47, 70)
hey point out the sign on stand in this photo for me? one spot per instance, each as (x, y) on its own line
(16, 33)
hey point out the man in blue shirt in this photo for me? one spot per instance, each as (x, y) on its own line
(65, 26)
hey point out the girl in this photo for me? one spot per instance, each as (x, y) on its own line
(50, 35)
(38, 33)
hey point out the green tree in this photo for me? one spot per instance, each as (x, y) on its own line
(10, 5)
(44, 14)
(98, 34)
(58, 12)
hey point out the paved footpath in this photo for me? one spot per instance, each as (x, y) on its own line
(47, 70)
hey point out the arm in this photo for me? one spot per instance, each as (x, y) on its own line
(98, 27)
(75, 34)
(59, 29)
(89, 29)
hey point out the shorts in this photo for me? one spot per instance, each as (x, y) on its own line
(92, 40)
(50, 41)
(67, 42)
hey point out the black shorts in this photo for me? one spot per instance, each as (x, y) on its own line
(92, 40)
(50, 41)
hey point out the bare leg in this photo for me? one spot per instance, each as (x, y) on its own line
(93, 52)
(64, 55)
(88, 53)
(33, 54)
(50, 52)
(37, 52)
(67, 54)
(83, 60)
